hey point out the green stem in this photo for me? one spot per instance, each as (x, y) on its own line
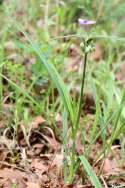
(1, 91)
(74, 131)
(1, 80)
(81, 92)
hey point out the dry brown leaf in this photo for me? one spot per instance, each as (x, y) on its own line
(13, 56)
(120, 74)
(38, 146)
(59, 120)
(13, 176)
(33, 185)
(73, 64)
(38, 164)
(9, 45)
(54, 144)
(37, 121)
(70, 186)
(110, 166)
(57, 161)
(5, 184)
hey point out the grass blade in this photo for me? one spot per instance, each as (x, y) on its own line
(67, 101)
(94, 179)
(65, 144)
(25, 93)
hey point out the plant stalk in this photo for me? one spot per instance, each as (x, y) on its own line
(75, 129)
(81, 92)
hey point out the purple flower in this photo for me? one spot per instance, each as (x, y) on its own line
(86, 22)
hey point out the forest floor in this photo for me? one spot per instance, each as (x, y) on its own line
(31, 115)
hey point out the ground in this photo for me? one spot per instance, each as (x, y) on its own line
(41, 64)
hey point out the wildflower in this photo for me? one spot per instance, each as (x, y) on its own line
(86, 22)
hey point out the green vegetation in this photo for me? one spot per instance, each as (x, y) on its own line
(41, 73)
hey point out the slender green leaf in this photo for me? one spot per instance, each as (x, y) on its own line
(65, 144)
(103, 37)
(94, 179)
(20, 90)
(67, 101)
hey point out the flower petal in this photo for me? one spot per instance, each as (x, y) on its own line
(86, 22)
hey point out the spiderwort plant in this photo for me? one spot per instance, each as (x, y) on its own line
(69, 111)
(87, 46)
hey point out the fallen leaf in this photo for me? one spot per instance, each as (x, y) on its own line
(38, 164)
(120, 74)
(59, 120)
(110, 166)
(57, 161)
(50, 138)
(54, 145)
(37, 121)
(9, 45)
(13, 176)
(33, 185)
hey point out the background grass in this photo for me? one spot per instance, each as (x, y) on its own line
(28, 89)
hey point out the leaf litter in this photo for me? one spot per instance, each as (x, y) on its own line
(32, 167)
(38, 161)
